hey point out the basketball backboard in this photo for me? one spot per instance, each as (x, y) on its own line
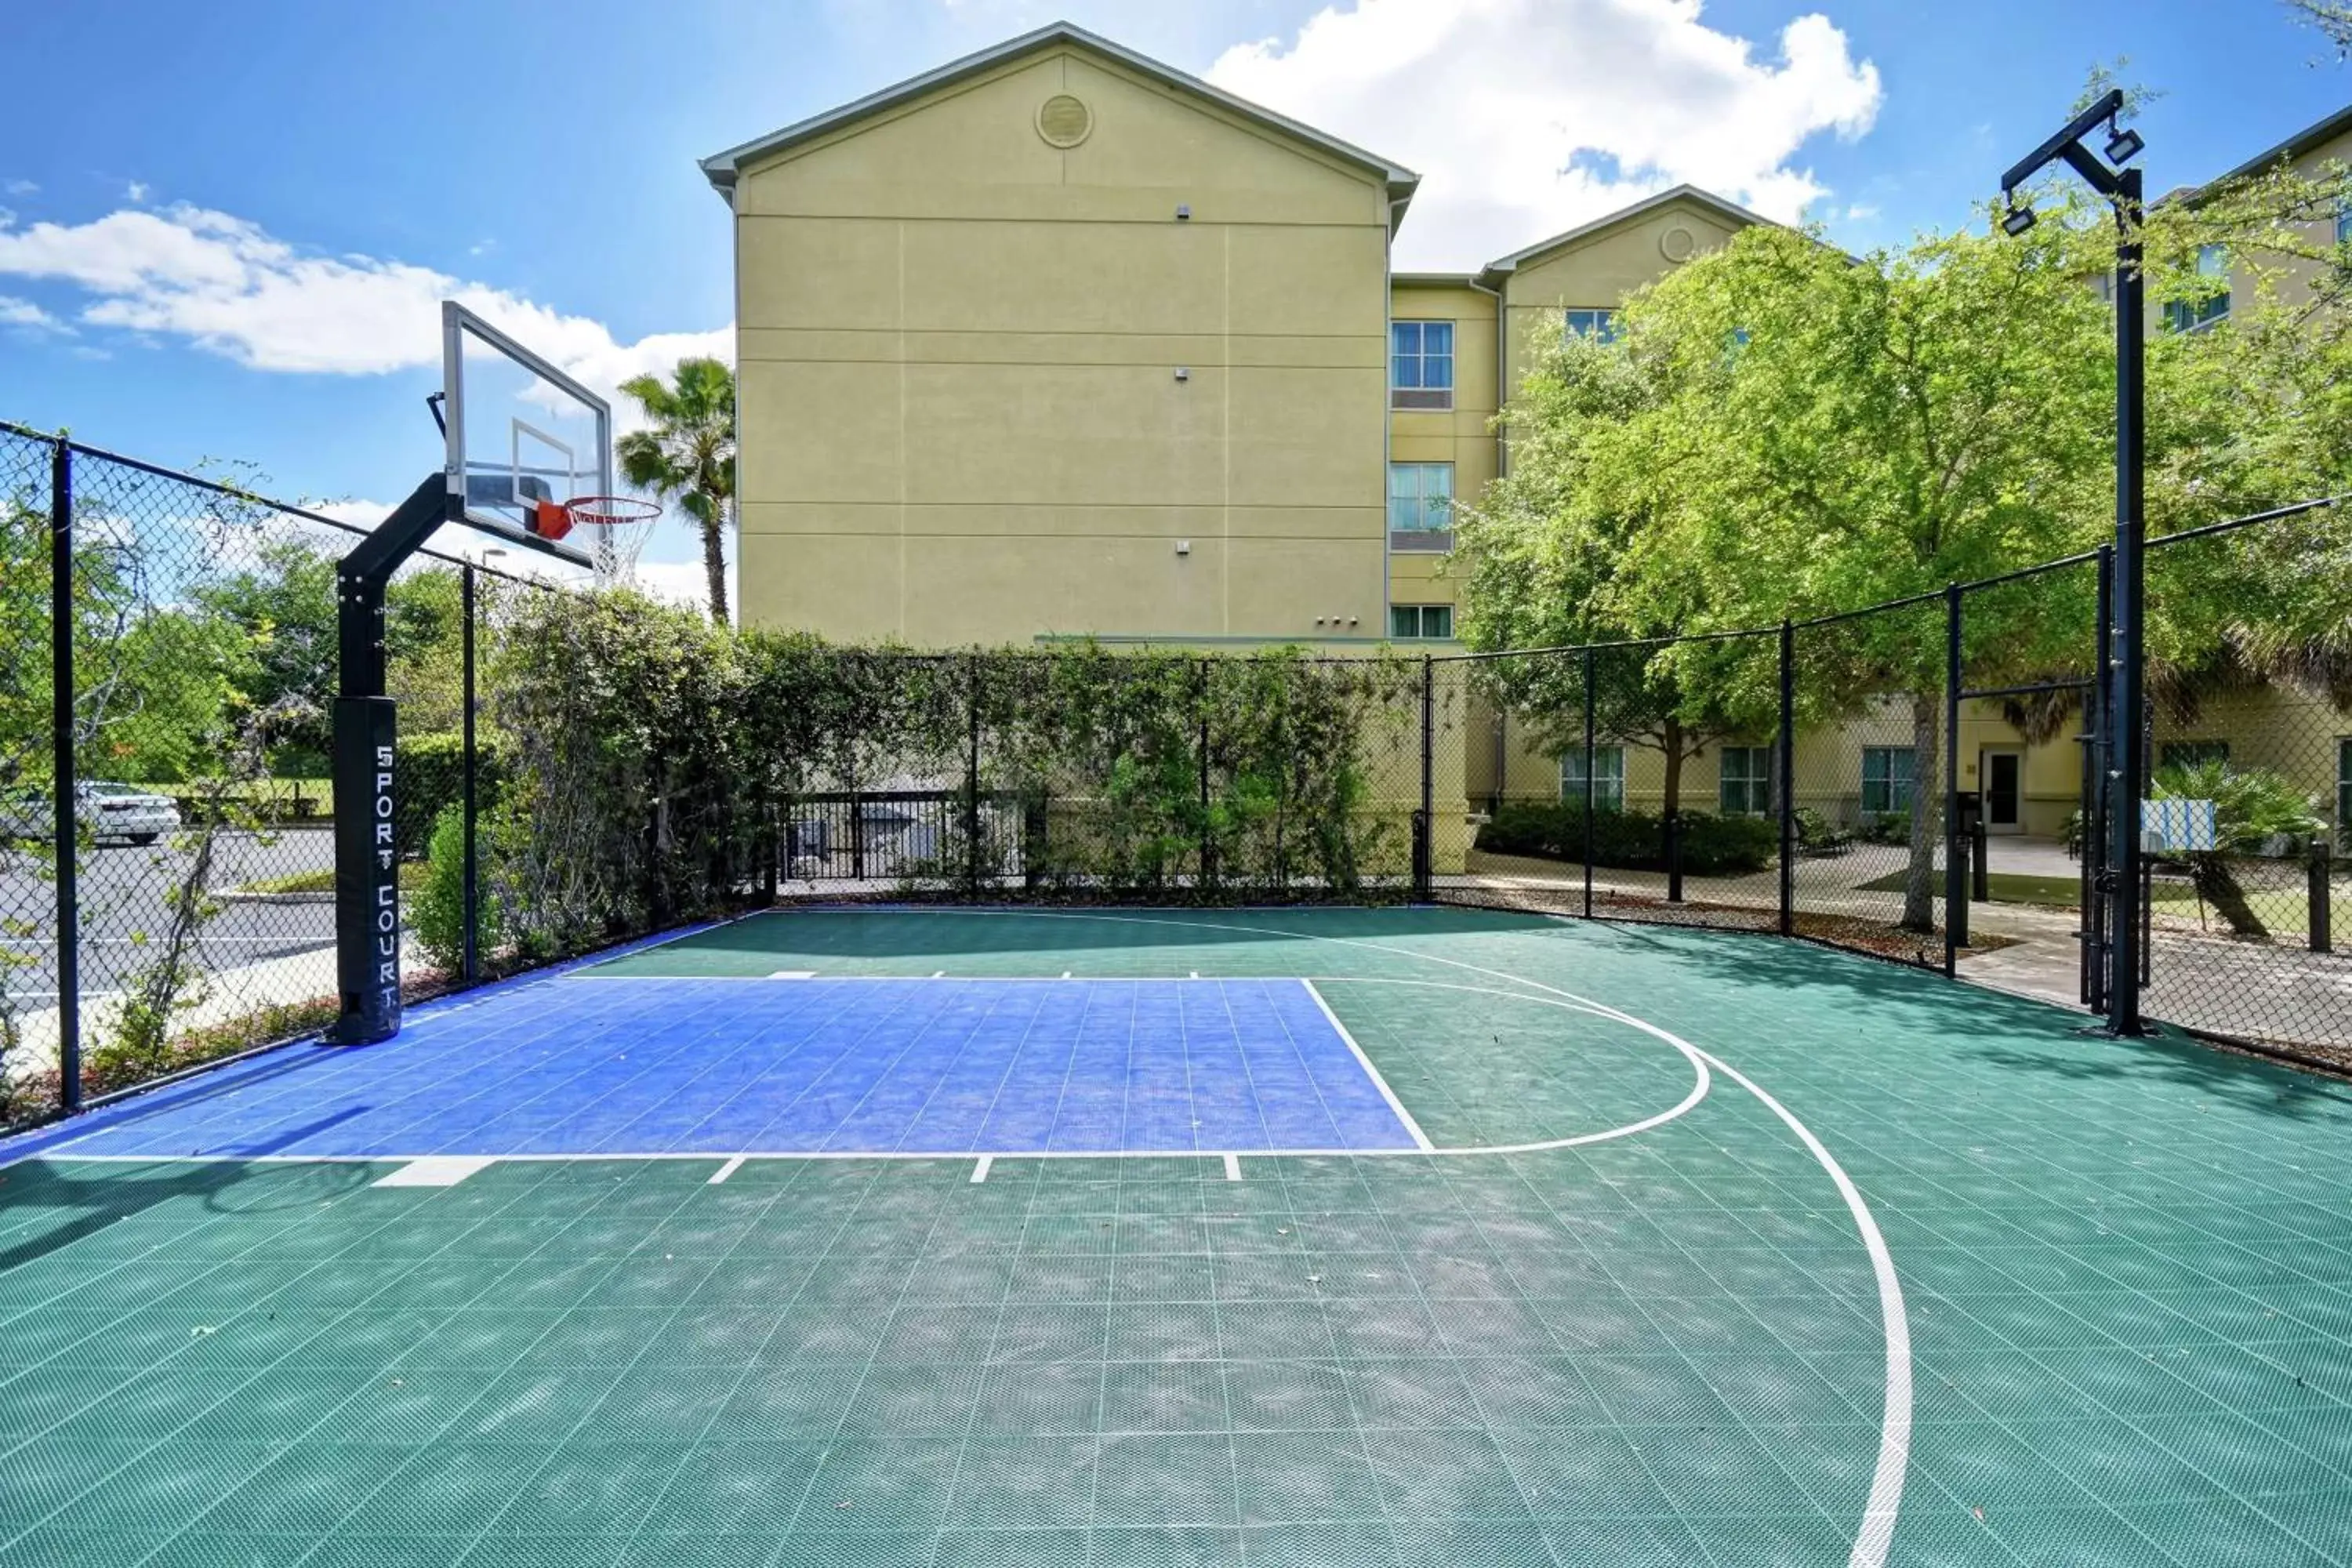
(523, 437)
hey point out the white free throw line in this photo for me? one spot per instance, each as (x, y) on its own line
(1419, 1139)
(437, 1170)
(733, 1164)
(1233, 1167)
(980, 1172)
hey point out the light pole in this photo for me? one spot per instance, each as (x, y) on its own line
(2124, 730)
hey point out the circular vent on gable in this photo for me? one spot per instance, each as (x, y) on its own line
(1678, 243)
(1064, 121)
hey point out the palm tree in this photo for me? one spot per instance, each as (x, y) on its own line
(686, 455)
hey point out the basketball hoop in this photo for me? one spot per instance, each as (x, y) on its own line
(615, 532)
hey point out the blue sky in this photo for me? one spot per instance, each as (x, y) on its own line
(218, 241)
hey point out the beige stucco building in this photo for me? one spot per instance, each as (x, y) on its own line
(1056, 341)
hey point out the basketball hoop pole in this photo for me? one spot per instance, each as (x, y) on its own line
(367, 851)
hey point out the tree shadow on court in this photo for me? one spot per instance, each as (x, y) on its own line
(1917, 1010)
(100, 1196)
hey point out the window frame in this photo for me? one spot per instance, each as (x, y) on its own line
(2191, 753)
(1599, 322)
(1608, 781)
(1421, 394)
(1420, 615)
(2344, 789)
(1422, 539)
(2196, 315)
(1755, 775)
(1908, 784)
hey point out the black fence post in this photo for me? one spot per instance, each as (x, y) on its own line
(2098, 753)
(2323, 938)
(1785, 769)
(65, 829)
(473, 892)
(1424, 870)
(1956, 843)
(1208, 873)
(1592, 720)
(972, 784)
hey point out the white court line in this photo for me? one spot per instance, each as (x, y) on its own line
(1878, 1531)
(980, 1172)
(1233, 1167)
(437, 1170)
(733, 1164)
(1419, 1139)
(794, 975)
(1876, 1535)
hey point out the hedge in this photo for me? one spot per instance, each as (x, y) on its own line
(1632, 840)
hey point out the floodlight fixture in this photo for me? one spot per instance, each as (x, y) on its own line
(2123, 144)
(2016, 221)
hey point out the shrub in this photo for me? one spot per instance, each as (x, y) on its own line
(437, 912)
(1632, 840)
(431, 769)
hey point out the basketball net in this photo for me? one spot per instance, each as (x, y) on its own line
(615, 530)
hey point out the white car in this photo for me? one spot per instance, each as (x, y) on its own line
(119, 811)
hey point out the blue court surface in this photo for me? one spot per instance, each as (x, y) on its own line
(601, 1066)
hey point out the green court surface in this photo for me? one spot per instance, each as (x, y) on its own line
(1726, 1251)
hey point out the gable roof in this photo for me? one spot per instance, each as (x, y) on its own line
(1708, 199)
(721, 168)
(2295, 146)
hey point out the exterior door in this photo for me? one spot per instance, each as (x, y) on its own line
(2004, 791)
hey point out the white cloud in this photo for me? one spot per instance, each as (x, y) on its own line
(233, 289)
(1861, 212)
(24, 313)
(1527, 117)
(21, 188)
(137, 191)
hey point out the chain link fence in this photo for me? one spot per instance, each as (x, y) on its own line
(1921, 781)
(2247, 891)
(187, 911)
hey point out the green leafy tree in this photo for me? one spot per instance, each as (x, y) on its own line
(687, 456)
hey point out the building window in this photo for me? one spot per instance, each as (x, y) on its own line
(1420, 621)
(2188, 315)
(2344, 224)
(2344, 790)
(1886, 775)
(1421, 506)
(1600, 325)
(1607, 777)
(1421, 365)
(1745, 787)
(2192, 753)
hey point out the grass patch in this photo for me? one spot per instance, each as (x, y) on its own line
(2275, 891)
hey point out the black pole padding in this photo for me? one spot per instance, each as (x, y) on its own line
(367, 873)
(65, 825)
(1981, 861)
(2323, 938)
